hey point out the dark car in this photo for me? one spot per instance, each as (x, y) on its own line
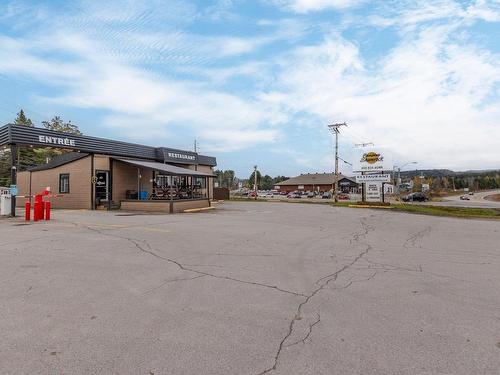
(415, 197)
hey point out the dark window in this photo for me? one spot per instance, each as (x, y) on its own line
(64, 183)
(200, 182)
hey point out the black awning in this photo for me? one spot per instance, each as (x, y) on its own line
(166, 168)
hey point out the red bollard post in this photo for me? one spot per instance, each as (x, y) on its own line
(36, 210)
(27, 210)
(47, 210)
(42, 209)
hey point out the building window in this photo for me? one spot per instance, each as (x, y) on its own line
(64, 183)
(200, 182)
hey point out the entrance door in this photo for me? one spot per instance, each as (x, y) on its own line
(102, 186)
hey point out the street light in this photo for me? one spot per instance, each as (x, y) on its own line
(398, 182)
(255, 180)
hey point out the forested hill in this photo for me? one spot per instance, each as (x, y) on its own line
(450, 173)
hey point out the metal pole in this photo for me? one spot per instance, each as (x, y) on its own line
(255, 181)
(138, 182)
(335, 190)
(13, 177)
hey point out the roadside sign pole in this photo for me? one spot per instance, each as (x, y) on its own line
(13, 178)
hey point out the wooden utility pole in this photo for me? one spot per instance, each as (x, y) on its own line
(334, 128)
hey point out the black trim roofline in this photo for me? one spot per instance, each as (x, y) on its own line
(31, 136)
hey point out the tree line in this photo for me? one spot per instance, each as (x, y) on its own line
(30, 156)
(227, 179)
(459, 181)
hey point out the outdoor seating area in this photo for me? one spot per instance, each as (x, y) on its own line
(178, 187)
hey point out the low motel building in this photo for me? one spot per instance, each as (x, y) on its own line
(100, 173)
(320, 182)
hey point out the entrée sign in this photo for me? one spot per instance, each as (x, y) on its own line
(56, 140)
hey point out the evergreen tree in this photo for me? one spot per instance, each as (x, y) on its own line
(21, 119)
(26, 156)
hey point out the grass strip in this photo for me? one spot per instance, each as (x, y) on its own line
(492, 213)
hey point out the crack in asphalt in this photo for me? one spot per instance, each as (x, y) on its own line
(412, 240)
(322, 282)
(150, 251)
(172, 281)
(304, 339)
(350, 282)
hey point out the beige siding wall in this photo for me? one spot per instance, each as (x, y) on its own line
(146, 206)
(79, 184)
(158, 206)
(101, 163)
(125, 178)
(181, 206)
(23, 185)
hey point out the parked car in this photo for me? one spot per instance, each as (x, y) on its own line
(343, 196)
(310, 194)
(464, 198)
(294, 195)
(415, 197)
(252, 194)
(326, 195)
(471, 193)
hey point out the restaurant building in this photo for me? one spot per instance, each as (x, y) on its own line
(320, 182)
(96, 173)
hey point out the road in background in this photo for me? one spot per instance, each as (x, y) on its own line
(475, 200)
(250, 288)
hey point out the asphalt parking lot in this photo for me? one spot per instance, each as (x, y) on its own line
(250, 288)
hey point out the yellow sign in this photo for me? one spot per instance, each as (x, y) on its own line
(372, 157)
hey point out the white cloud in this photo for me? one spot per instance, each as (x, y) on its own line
(410, 13)
(134, 96)
(305, 6)
(427, 100)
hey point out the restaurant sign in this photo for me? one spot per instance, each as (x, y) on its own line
(176, 155)
(377, 177)
(372, 161)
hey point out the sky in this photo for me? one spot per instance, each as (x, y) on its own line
(257, 82)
